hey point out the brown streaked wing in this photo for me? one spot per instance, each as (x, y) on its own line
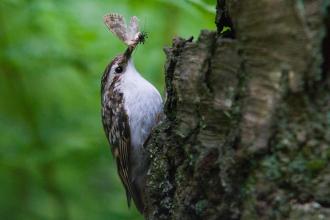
(115, 123)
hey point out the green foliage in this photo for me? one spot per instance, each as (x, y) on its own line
(54, 159)
(225, 29)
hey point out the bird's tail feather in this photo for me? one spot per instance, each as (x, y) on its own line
(129, 198)
(138, 198)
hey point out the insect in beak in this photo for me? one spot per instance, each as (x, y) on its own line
(140, 39)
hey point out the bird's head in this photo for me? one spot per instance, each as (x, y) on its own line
(118, 66)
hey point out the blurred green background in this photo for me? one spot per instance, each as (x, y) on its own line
(55, 162)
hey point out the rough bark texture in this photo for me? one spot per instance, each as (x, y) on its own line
(247, 128)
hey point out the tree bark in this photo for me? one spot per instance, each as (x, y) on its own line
(247, 127)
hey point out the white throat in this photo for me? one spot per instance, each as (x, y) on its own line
(130, 68)
(142, 104)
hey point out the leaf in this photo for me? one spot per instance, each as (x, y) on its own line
(202, 5)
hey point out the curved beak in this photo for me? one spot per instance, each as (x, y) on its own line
(128, 52)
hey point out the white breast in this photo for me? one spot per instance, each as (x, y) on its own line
(143, 105)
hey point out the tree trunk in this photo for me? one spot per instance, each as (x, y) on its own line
(247, 128)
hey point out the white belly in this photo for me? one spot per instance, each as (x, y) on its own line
(143, 105)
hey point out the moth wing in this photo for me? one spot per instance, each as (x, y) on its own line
(133, 27)
(117, 25)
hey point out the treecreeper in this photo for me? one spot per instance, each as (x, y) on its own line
(131, 107)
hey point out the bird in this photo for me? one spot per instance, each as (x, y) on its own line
(131, 108)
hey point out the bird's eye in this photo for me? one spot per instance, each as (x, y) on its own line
(119, 69)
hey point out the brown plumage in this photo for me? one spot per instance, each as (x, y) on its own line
(116, 127)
